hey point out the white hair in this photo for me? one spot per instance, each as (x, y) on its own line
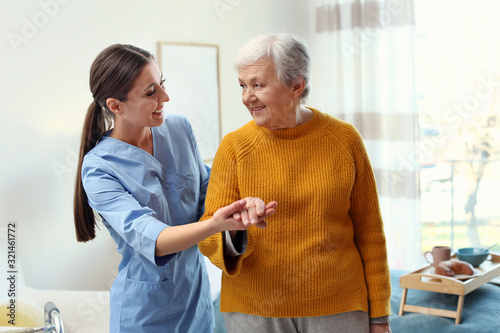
(289, 54)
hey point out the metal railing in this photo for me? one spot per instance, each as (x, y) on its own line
(53, 322)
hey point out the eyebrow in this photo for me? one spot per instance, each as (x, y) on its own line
(250, 79)
(154, 83)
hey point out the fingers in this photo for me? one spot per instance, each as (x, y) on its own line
(254, 212)
(233, 208)
(256, 208)
(259, 207)
(272, 204)
(270, 211)
(256, 204)
(245, 217)
(253, 208)
(262, 224)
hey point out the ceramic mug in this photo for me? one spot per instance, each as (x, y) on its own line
(439, 253)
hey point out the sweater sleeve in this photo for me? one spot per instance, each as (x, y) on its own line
(222, 190)
(369, 232)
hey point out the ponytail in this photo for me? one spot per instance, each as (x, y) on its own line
(112, 75)
(95, 126)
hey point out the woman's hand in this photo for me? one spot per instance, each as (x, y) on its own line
(380, 328)
(224, 218)
(255, 212)
(178, 238)
(241, 214)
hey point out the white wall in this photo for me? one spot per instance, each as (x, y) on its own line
(47, 47)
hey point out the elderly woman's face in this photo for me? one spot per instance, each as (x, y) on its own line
(271, 104)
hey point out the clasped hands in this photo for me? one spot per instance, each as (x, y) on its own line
(242, 214)
(255, 212)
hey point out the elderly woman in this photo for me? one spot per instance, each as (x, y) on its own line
(321, 264)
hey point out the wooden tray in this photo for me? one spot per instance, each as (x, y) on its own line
(423, 279)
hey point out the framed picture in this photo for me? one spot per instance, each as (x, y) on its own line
(191, 73)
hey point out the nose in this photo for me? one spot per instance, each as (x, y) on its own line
(163, 95)
(248, 96)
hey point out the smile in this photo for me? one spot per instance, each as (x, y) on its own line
(260, 108)
(158, 111)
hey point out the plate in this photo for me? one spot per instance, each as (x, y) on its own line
(461, 277)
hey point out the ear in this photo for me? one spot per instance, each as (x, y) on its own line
(298, 86)
(114, 105)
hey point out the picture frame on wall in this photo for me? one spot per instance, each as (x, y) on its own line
(191, 73)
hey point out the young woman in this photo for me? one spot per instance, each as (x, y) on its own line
(141, 172)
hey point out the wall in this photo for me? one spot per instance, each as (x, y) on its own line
(47, 47)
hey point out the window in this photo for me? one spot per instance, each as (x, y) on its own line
(458, 87)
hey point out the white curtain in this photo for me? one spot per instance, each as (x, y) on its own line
(364, 73)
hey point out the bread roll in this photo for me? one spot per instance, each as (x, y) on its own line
(453, 267)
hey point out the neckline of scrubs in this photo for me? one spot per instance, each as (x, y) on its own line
(107, 136)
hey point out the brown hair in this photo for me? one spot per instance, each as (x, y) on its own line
(112, 75)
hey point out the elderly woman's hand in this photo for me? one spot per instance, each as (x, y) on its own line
(380, 328)
(255, 212)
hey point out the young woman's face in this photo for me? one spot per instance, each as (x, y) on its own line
(271, 104)
(144, 104)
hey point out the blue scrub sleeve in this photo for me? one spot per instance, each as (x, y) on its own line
(136, 224)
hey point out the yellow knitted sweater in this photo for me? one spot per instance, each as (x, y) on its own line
(324, 250)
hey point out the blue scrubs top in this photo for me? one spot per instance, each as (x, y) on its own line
(138, 195)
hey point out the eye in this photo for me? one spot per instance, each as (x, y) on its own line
(154, 90)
